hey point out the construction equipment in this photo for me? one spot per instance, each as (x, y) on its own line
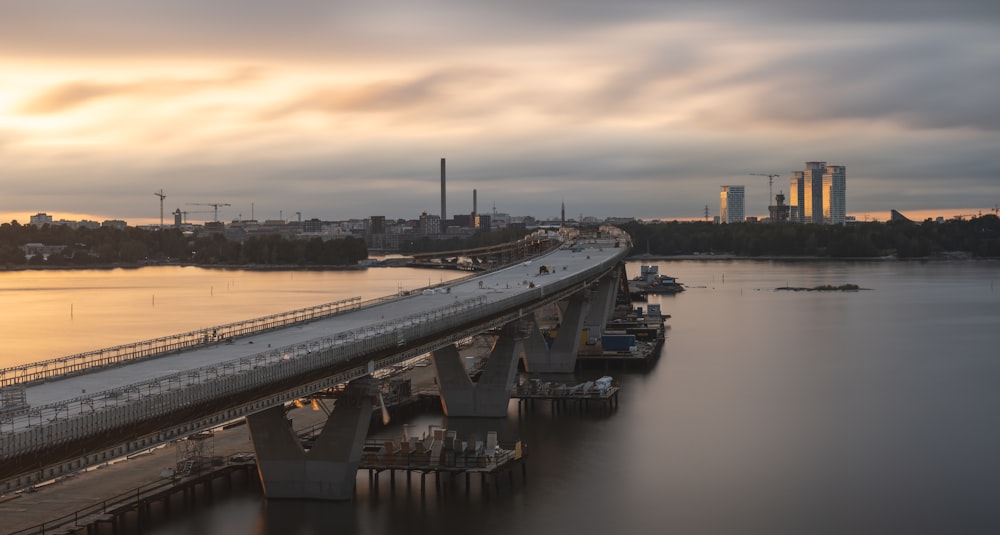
(770, 184)
(214, 205)
(161, 196)
(184, 215)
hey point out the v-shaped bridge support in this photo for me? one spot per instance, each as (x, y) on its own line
(329, 469)
(488, 397)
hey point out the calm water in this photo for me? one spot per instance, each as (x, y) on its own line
(769, 412)
(46, 314)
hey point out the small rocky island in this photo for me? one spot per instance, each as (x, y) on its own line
(823, 288)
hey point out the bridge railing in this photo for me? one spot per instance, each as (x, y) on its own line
(88, 415)
(90, 360)
(58, 423)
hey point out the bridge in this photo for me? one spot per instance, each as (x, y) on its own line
(62, 416)
(487, 257)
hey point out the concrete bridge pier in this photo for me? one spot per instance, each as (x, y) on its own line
(602, 305)
(328, 470)
(561, 357)
(487, 398)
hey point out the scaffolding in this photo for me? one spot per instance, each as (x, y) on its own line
(196, 453)
(13, 400)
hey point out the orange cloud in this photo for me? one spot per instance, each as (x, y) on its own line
(66, 96)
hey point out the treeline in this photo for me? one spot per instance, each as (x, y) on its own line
(978, 237)
(480, 239)
(133, 246)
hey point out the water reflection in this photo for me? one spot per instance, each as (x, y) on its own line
(49, 314)
(768, 412)
(304, 517)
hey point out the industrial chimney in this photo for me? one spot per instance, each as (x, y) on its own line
(444, 215)
(474, 209)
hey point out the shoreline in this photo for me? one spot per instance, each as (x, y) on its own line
(962, 257)
(242, 267)
(725, 257)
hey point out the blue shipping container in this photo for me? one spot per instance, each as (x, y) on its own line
(617, 342)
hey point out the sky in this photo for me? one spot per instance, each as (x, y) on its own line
(337, 110)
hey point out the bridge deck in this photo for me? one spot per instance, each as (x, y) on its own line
(492, 287)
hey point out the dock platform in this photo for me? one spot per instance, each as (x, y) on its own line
(441, 453)
(562, 397)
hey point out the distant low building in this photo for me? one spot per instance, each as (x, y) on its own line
(312, 226)
(32, 250)
(896, 216)
(484, 223)
(779, 212)
(40, 219)
(430, 225)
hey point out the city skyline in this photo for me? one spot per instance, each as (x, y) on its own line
(625, 109)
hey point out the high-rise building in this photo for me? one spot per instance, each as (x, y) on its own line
(731, 204)
(819, 194)
(834, 194)
(812, 211)
(796, 197)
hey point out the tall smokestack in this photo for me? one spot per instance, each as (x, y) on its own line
(474, 209)
(444, 214)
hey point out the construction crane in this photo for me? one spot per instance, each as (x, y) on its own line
(161, 196)
(214, 205)
(184, 215)
(770, 184)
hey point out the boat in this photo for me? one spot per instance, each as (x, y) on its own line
(650, 281)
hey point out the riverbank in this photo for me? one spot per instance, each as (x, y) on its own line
(241, 267)
(944, 257)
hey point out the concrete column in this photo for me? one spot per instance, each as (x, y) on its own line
(487, 398)
(328, 471)
(536, 351)
(561, 358)
(602, 304)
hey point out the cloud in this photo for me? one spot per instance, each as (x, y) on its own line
(439, 88)
(917, 78)
(66, 96)
(630, 107)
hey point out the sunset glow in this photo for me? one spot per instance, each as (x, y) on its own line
(342, 112)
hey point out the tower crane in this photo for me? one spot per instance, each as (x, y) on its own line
(770, 184)
(214, 205)
(184, 214)
(161, 196)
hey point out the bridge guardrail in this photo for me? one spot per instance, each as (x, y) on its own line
(59, 423)
(52, 425)
(98, 358)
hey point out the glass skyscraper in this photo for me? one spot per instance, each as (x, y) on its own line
(731, 204)
(819, 194)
